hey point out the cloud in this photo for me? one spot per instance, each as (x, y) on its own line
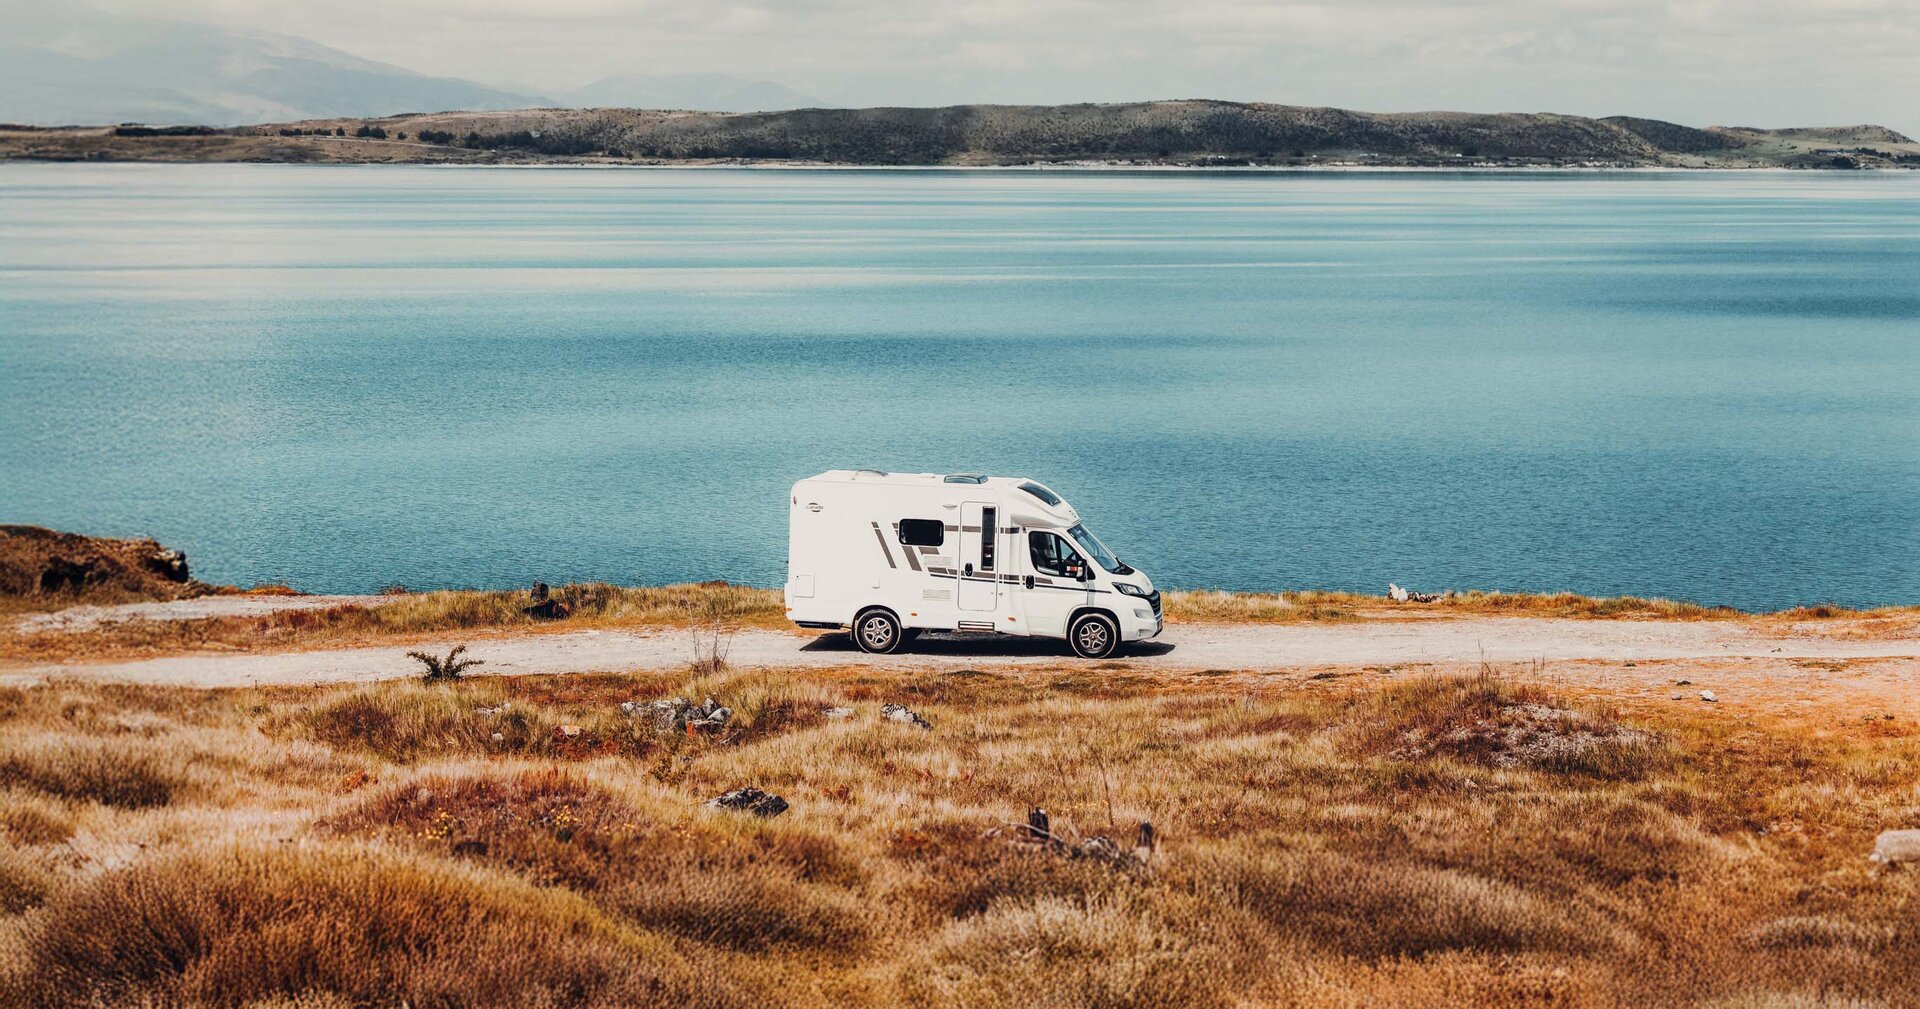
(1763, 62)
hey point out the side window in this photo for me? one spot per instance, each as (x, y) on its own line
(922, 532)
(1051, 554)
(989, 534)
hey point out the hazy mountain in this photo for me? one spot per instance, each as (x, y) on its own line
(74, 66)
(705, 92)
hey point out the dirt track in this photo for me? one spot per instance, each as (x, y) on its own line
(1445, 642)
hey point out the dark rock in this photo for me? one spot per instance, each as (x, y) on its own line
(750, 800)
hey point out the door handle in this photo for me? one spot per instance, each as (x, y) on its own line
(968, 571)
(1029, 581)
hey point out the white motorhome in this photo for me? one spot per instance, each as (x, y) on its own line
(889, 555)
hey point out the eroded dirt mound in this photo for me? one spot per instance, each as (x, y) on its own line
(42, 562)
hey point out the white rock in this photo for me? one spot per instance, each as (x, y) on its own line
(903, 715)
(837, 712)
(1893, 847)
(1707, 696)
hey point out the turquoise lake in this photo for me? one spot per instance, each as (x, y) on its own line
(1695, 385)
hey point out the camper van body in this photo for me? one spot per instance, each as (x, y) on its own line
(956, 552)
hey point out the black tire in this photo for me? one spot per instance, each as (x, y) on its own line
(1093, 636)
(877, 632)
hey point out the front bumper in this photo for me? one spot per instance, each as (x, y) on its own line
(1143, 619)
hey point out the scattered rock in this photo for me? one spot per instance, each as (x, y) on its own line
(750, 800)
(1400, 595)
(837, 712)
(486, 712)
(565, 731)
(903, 715)
(543, 606)
(499, 737)
(677, 714)
(708, 717)
(1707, 696)
(1895, 847)
(552, 609)
(1683, 683)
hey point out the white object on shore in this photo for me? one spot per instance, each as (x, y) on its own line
(1707, 696)
(1893, 847)
(1396, 593)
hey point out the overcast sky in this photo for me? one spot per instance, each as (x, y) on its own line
(1703, 62)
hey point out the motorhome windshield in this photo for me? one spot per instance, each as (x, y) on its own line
(1098, 551)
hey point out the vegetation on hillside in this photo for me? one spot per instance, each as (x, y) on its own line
(1165, 132)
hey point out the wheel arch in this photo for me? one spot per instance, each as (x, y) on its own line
(1082, 611)
(869, 608)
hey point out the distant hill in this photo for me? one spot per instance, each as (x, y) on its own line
(1195, 133)
(70, 65)
(704, 92)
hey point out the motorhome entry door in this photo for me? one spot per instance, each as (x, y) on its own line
(979, 564)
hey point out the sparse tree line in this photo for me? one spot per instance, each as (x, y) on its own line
(364, 132)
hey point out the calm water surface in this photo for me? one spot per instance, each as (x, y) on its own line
(1700, 385)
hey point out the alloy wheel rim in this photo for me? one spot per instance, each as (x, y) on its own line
(1093, 637)
(876, 633)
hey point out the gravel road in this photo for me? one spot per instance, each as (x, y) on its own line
(1183, 647)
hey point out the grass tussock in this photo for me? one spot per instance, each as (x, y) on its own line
(217, 928)
(1477, 840)
(1493, 722)
(129, 776)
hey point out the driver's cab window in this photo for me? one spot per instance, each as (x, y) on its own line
(1052, 555)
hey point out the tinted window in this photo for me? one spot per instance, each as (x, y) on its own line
(1051, 554)
(988, 517)
(922, 532)
(1041, 492)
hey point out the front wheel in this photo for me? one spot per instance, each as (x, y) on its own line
(1093, 636)
(877, 632)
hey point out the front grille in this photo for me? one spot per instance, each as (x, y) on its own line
(1155, 600)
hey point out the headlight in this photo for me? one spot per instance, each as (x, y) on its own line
(1128, 589)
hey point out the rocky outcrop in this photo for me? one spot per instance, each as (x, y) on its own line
(43, 562)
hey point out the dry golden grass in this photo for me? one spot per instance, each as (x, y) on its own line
(406, 617)
(1473, 840)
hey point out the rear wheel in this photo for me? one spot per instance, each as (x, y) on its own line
(877, 631)
(1093, 636)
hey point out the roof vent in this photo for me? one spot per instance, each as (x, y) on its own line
(875, 472)
(965, 478)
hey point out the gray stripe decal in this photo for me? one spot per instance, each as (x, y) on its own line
(883, 544)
